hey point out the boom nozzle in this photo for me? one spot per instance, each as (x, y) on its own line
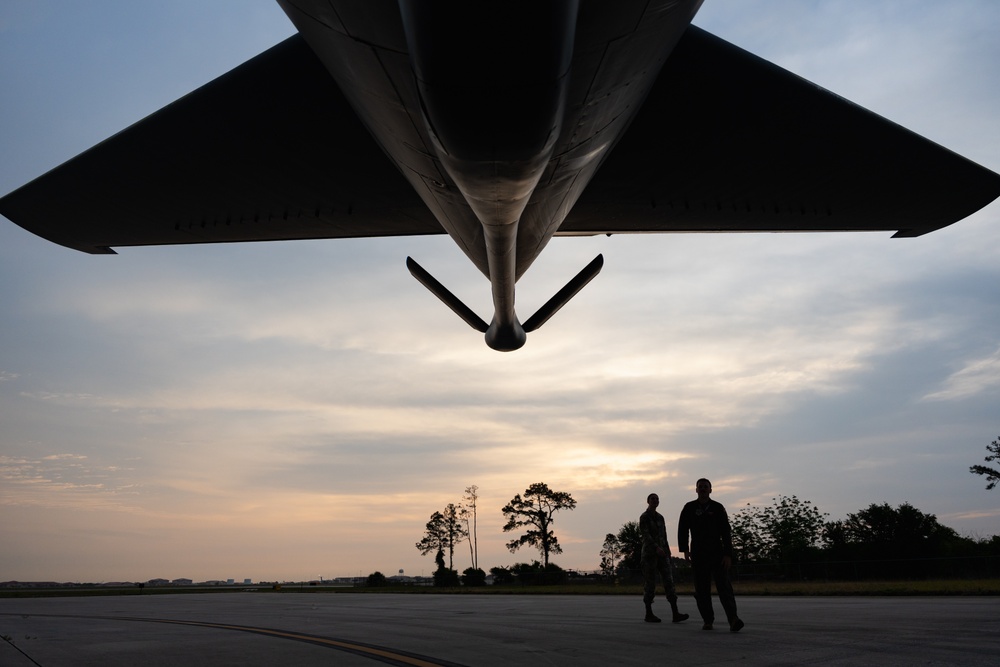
(507, 336)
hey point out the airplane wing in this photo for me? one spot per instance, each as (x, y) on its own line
(729, 142)
(269, 151)
(725, 142)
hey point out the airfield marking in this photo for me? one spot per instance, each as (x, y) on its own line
(379, 653)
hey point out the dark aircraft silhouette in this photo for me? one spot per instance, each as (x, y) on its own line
(502, 124)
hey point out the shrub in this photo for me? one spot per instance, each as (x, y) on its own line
(444, 576)
(537, 574)
(473, 577)
(502, 575)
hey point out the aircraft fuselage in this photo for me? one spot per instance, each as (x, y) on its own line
(498, 114)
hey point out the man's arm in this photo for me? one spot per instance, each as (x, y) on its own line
(726, 534)
(682, 534)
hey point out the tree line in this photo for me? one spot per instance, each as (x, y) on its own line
(792, 538)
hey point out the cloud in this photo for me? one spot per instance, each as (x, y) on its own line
(67, 481)
(976, 376)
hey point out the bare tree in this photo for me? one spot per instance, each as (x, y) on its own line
(468, 514)
(535, 511)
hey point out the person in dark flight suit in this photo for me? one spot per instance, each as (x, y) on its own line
(710, 554)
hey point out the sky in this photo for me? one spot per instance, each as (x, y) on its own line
(286, 411)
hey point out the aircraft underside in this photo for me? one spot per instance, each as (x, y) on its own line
(509, 131)
(504, 124)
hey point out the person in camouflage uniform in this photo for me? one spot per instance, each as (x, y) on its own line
(656, 559)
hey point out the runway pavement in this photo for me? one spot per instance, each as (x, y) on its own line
(306, 629)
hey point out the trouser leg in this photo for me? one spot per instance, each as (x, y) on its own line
(671, 592)
(702, 570)
(663, 567)
(649, 589)
(648, 580)
(726, 596)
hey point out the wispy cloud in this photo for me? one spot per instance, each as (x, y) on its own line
(62, 481)
(976, 376)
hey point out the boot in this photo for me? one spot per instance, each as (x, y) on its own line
(678, 616)
(650, 617)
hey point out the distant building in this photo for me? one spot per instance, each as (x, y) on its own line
(182, 582)
(33, 584)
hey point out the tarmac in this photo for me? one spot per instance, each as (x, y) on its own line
(288, 628)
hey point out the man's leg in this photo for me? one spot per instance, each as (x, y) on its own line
(727, 597)
(649, 588)
(702, 569)
(663, 565)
